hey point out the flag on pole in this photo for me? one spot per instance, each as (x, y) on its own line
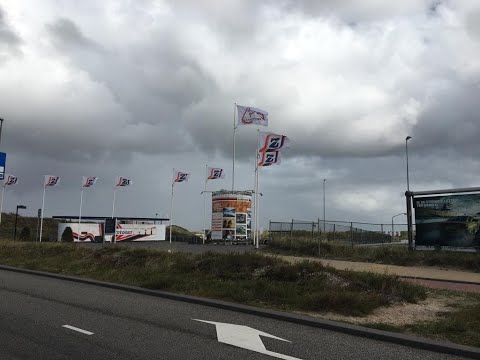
(122, 181)
(89, 181)
(273, 142)
(180, 176)
(215, 173)
(51, 180)
(10, 180)
(248, 115)
(268, 158)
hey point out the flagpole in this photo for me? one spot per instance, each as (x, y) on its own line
(113, 205)
(171, 214)
(205, 205)
(255, 235)
(80, 214)
(1, 203)
(257, 213)
(43, 207)
(233, 165)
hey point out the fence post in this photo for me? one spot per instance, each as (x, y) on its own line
(351, 232)
(319, 236)
(269, 231)
(333, 232)
(383, 237)
(313, 230)
(291, 228)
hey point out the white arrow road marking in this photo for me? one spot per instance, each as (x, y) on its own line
(246, 338)
(77, 329)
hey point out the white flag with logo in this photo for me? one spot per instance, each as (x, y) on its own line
(248, 115)
(180, 176)
(51, 180)
(215, 173)
(123, 181)
(89, 181)
(273, 142)
(268, 158)
(10, 180)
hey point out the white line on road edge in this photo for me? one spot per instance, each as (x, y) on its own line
(77, 329)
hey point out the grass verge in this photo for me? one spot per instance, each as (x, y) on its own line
(243, 278)
(393, 255)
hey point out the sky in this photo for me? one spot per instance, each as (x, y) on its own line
(136, 88)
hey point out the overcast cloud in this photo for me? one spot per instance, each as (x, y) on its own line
(136, 88)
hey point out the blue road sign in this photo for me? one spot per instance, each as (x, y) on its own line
(3, 160)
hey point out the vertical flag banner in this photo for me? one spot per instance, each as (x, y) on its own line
(48, 181)
(89, 181)
(51, 180)
(248, 115)
(10, 180)
(269, 158)
(273, 142)
(122, 181)
(180, 176)
(215, 173)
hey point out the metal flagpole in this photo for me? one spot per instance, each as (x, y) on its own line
(171, 214)
(255, 236)
(80, 214)
(233, 164)
(205, 205)
(43, 207)
(113, 205)
(1, 203)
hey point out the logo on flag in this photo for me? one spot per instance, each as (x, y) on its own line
(215, 173)
(51, 180)
(181, 177)
(10, 180)
(251, 116)
(89, 181)
(268, 158)
(124, 181)
(273, 142)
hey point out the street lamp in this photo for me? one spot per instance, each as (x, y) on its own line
(16, 216)
(324, 180)
(1, 125)
(406, 152)
(394, 216)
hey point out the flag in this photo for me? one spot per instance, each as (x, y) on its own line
(272, 142)
(51, 180)
(268, 158)
(215, 173)
(181, 176)
(89, 181)
(123, 181)
(10, 180)
(251, 116)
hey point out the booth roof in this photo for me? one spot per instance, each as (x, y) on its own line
(109, 217)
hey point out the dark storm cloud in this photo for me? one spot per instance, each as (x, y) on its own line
(9, 41)
(68, 35)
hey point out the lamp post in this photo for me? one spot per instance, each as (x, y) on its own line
(406, 153)
(1, 125)
(16, 216)
(394, 216)
(324, 180)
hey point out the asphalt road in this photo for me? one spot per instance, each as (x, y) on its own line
(124, 325)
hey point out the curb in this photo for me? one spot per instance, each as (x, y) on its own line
(406, 340)
(440, 280)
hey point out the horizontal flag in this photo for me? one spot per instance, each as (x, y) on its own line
(251, 116)
(272, 142)
(215, 173)
(10, 180)
(89, 181)
(122, 181)
(51, 180)
(268, 158)
(180, 176)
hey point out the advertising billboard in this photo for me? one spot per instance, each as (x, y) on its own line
(231, 216)
(123, 232)
(88, 232)
(448, 221)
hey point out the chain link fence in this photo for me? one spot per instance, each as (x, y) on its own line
(354, 233)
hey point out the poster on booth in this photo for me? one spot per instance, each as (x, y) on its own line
(448, 221)
(230, 216)
(139, 232)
